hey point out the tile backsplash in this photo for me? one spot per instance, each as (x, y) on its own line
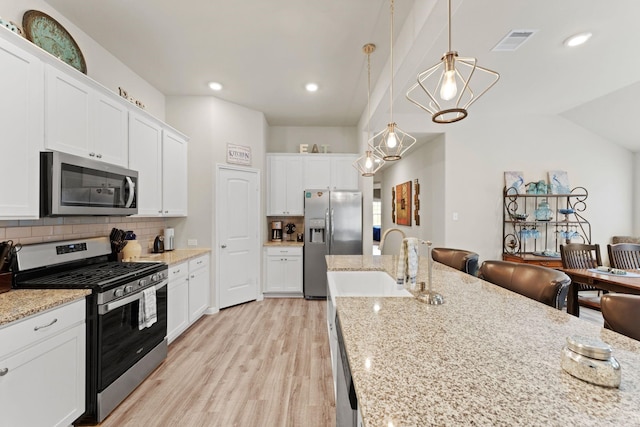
(298, 221)
(69, 228)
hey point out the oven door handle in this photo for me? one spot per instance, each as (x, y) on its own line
(105, 308)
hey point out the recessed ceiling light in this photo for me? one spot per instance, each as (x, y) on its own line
(215, 86)
(311, 87)
(577, 39)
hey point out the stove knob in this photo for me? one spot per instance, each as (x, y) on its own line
(154, 277)
(128, 289)
(142, 283)
(118, 293)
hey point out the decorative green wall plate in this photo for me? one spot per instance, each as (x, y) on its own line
(47, 33)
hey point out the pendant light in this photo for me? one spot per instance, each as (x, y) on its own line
(392, 142)
(447, 85)
(369, 163)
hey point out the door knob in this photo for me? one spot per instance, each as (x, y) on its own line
(223, 246)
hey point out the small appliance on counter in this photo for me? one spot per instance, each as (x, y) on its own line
(276, 231)
(158, 245)
(169, 234)
(291, 228)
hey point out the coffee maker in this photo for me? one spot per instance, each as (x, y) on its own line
(276, 231)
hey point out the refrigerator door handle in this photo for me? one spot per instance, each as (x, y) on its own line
(326, 230)
(332, 228)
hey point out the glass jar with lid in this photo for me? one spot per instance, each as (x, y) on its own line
(590, 360)
(544, 212)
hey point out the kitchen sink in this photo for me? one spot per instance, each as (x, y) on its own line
(363, 284)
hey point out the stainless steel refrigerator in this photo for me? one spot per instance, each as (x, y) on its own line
(332, 226)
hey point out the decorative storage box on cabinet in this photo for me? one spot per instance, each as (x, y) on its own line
(535, 225)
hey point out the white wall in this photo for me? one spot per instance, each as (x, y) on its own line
(102, 66)
(427, 165)
(212, 123)
(287, 139)
(476, 154)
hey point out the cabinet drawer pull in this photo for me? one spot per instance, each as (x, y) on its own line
(4, 372)
(192, 276)
(199, 262)
(92, 154)
(37, 328)
(99, 156)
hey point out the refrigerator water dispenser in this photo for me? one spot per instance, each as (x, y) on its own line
(316, 230)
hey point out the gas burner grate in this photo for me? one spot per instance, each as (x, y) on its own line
(95, 275)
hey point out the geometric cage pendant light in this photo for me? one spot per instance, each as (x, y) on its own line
(369, 163)
(392, 142)
(448, 87)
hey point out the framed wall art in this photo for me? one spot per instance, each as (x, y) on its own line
(559, 182)
(403, 203)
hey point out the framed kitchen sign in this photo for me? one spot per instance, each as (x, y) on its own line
(403, 203)
(238, 155)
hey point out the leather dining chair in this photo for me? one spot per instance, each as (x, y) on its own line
(624, 255)
(460, 259)
(583, 256)
(542, 284)
(621, 313)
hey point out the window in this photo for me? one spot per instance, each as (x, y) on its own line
(377, 212)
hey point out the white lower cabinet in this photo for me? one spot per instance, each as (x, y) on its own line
(283, 270)
(178, 300)
(42, 368)
(198, 287)
(188, 294)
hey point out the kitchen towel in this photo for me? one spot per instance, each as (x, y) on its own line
(147, 312)
(407, 270)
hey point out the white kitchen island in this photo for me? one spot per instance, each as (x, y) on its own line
(487, 356)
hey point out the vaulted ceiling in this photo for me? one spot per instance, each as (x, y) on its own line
(264, 52)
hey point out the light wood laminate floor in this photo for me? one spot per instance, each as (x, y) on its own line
(262, 363)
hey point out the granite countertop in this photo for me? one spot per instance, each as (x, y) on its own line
(487, 356)
(284, 243)
(20, 303)
(173, 257)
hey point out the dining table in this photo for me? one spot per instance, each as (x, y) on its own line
(485, 357)
(628, 284)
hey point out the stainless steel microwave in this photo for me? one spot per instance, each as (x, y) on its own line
(72, 185)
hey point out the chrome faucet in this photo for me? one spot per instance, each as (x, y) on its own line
(386, 232)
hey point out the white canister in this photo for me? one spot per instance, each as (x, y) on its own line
(131, 250)
(169, 236)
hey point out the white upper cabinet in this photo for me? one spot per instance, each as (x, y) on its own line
(22, 127)
(81, 120)
(333, 172)
(160, 157)
(343, 175)
(109, 128)
(145, 156)
(174, 174)
(317, 171)
(286, 185)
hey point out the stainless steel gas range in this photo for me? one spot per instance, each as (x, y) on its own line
(126, 313)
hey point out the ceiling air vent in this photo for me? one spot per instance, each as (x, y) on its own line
(513, 40)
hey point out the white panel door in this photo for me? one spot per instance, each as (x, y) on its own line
(237, 226)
